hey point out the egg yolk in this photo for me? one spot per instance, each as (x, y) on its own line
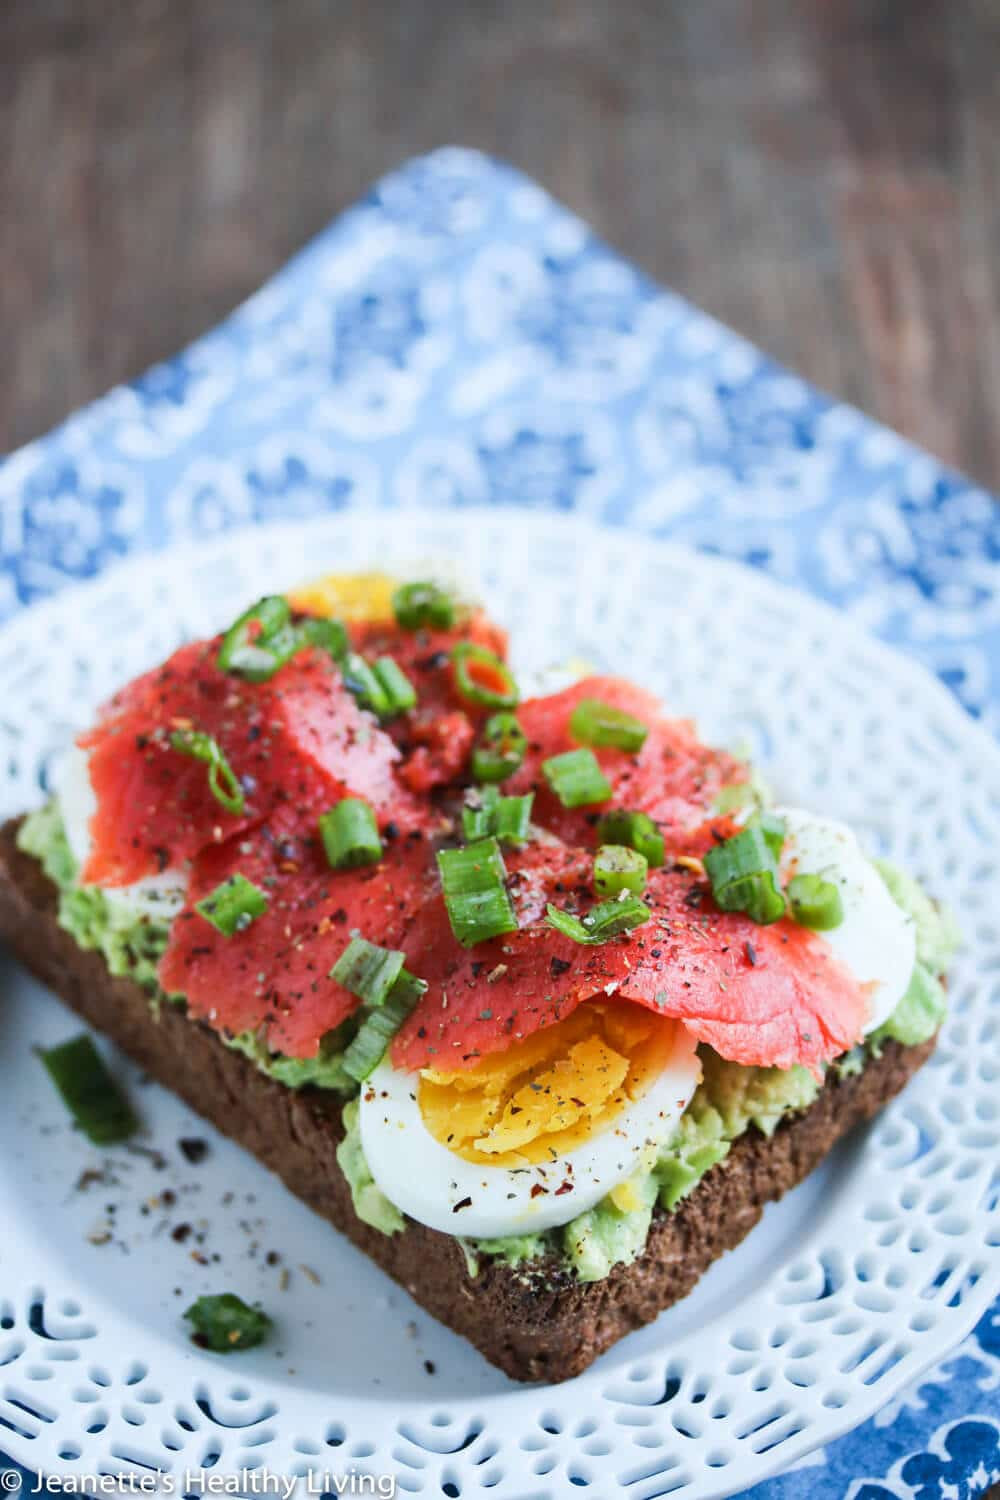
(359, 598)
(548, 1094)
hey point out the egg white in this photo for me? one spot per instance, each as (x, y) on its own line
(877, 941)
(155, 895)
(431, 1183)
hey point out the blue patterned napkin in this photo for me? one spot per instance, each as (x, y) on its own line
(458, 338)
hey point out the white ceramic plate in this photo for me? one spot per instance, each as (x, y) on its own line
(859, 1279)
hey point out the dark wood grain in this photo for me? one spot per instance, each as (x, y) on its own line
(819, 173)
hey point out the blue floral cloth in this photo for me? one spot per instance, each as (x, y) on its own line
(458, 338)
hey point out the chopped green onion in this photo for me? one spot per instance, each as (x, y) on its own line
(264, 638)
(222, 779)
(744, 875)
(224, 1323)
(607, 920)
(492, 686)
(380, 1025)
(350, 835)
(233, 905)
(367, 970)
(260, 641)
(473, 880)
(486, 812)
(773, 829)
(595, 723)
(398, 693)
(501, 748)
(360, 680)
(618, 868)
(325, 635)
(634, 829)
(424, 604)
(383, 687)
(815, 902)
(576, 778)
(93, 1098)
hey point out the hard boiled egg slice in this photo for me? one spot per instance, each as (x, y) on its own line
(876, 941)
(154, 896)
(535, 1135)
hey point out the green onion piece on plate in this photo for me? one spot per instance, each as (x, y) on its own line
(576, 778)
(481, 678)
(618, 868)
(93, 1098)
(222, 779)
(744, 875)
(380, 1025)
(260, 641)
(607, 920)
(595, 723)
(224, 1323)
(367, 970)
(634, 829)
(487, 813)
(350, 835)
(423, 605)
(501, 749)
(815, 902)
(473, 880)
(233, 905)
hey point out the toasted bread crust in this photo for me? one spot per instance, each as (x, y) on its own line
(535, 1322)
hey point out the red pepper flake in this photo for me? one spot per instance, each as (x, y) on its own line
(537, 1190)
(564, 1187)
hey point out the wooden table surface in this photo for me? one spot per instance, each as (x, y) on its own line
(821, 174)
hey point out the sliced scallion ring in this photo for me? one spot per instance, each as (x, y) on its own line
(233, 905)
(744, 875)
(367, 970)
(380, 1025)
(326, 635)
(815, 902)
(223, 1322)
(423, 605)
(607, 920)
(773, 829)
(487, 813)
(618, 868)
(398, 693)
(223, 782)
(350, 835)
(473, 880)
(89, 1092)
(576, 778)
(382, 686)
(260, 641)
(595, 723)
(501, 749)
(481, 678)
(634, 829)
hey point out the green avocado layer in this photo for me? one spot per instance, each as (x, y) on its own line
(729, 1100)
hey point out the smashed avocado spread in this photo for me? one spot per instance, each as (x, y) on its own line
(730, 1099)
(132, 943)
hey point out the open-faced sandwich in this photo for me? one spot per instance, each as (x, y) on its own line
(539, 1000)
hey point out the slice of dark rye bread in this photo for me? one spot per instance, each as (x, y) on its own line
(535, 1322)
